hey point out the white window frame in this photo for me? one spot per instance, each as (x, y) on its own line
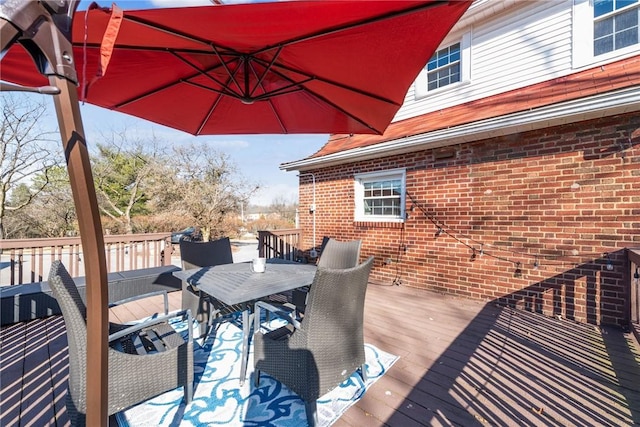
(361, 179)
(582, 35)
(422, 81)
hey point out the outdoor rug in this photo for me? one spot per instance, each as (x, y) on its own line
(218, 398)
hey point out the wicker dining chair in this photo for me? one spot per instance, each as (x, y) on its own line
(317, 354)
(204, 254)
(335, 254)
(339, 254)
(145, 359)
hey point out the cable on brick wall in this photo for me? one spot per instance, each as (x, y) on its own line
(442, 228)
(401, 248)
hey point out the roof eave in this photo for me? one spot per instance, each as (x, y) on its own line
(601, 105)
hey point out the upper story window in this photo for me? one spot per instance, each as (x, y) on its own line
(444, 67)
(605, 30)
(615, 25)
(448, 67)
(380, 196)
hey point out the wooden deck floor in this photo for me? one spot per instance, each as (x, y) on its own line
(461, 363)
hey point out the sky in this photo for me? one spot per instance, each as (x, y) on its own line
(256, 157)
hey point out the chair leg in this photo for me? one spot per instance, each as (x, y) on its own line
(312, 413)
(256, 378)
(188, 392)
(363, 372)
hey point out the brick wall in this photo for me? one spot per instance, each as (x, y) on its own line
(558, 198)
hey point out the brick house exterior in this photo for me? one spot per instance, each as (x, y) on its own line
(526, 197)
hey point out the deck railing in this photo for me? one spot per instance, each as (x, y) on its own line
(633, 278)
(285, 244)
(28, 260)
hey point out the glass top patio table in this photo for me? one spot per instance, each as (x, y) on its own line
(236, 284)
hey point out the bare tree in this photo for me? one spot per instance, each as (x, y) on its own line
(26, 149)
(206, 188)
(52, 213)
(284, 208)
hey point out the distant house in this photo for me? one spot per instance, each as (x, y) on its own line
(512, 171)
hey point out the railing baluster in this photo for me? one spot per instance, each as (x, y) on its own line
(40, 262)
(20, 266)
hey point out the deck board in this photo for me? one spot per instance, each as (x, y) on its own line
(13, 344)
(462, 363)
(36, 400)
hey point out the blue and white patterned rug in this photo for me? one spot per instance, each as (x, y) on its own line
(219, 399)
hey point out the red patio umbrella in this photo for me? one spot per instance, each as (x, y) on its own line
(283, 67)
(270, 68)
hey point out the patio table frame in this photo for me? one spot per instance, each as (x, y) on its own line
(237, 284)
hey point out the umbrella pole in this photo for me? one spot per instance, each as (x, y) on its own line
(52, 38)
(89, 223)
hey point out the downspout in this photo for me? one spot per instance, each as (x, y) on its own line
(312, 210)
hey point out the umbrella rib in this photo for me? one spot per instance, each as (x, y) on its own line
(169, 30)
(342, 110)
(208, 115)
(268, 67)
(294, 87)
(226, 90)
(226, 68)
(357, 24)
(310, 77)
(282, 91)
(277, 116)
(212, 89)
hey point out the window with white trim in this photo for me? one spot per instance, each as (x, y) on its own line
(615, 25)
(443, 68)
(449, 66)
(605, 30)
(380, 196)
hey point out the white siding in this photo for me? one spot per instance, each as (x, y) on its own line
(521, 44)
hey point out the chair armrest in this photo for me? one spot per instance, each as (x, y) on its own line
(150, 294)
(278, 311)
(155, 321)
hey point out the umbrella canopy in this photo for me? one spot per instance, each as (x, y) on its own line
(281, 67)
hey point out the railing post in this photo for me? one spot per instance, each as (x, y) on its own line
(261, 243)
(167, 252)
(632, 279)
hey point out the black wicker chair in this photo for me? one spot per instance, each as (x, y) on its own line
(315, 355)
(204, 254)
(145, 359)
(335, 254)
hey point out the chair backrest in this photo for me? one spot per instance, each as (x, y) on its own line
(335, 308)
(74, 313)
(205, 254)
(337, 254)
